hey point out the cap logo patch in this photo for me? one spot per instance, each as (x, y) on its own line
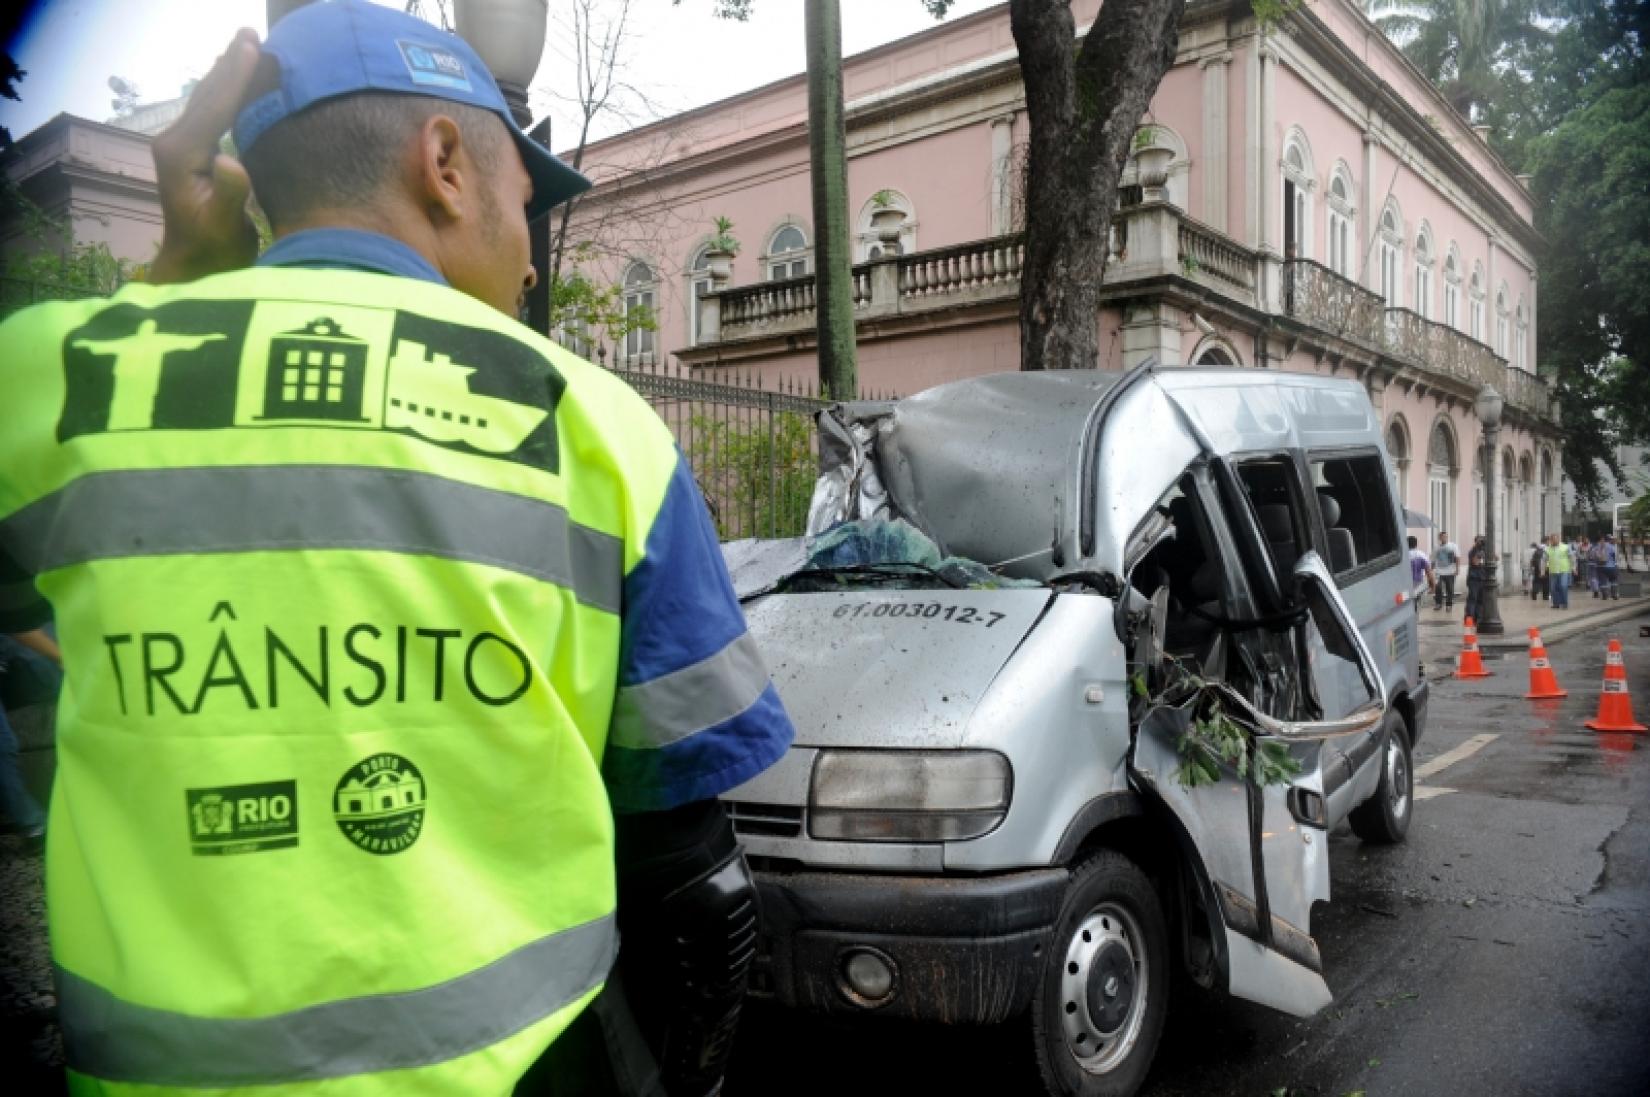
(434, 67)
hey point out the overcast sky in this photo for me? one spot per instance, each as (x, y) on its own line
(679, 57)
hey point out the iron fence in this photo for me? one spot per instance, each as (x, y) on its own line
(752, 443)
(19, 293)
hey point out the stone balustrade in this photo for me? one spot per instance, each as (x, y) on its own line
(1149, 240)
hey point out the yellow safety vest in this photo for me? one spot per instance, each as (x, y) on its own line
(336, 562)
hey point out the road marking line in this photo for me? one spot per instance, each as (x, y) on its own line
(1429, 791)
(1450, 757)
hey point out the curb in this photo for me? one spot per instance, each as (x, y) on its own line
(1569, 627)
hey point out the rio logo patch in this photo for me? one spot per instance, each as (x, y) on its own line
(379, 803)
(243, 818)
(433, 66)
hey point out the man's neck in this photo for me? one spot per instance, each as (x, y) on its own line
(413, 232)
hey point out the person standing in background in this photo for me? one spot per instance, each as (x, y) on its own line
(1538, 570)
(1445, 561)
(1475, 576)
(1560, 562)
(1609, 569)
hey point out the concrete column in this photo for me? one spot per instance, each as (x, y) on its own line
(1268, 186)
(1369, 271)
(1151, 329)
(1002, 174)
(1216, 185)
(1535, 358)
(1252, 151)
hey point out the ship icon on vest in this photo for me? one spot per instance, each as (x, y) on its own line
(430, 396)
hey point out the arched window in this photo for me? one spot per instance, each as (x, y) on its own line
(640, 292)
(1452, 288)
(1392, 255)
(1298, 184)
(1442, 466)
(1216, 352)
(699, 284)
(1547, 513)
(1475, 303)
(1342, 240)
(1503, 322)
(1397, 455)
(1423, 271)
(868, 241)
(787, 254)
(1526, 517)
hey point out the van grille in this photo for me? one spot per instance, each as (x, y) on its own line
(767, 820)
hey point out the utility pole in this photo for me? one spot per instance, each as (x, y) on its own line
(828, 155)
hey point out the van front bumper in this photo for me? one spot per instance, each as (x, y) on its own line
(959, 949)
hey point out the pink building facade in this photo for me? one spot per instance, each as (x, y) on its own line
(1301, 199)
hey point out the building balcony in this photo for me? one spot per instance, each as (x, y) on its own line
(1318, 297)
(1155, 248)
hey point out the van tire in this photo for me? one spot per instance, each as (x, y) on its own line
(1383, 819)
(1104, 982)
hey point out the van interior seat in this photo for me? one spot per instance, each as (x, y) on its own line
(1280, 535)
(1343, 552)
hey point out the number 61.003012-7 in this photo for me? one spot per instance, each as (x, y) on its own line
(958, 615)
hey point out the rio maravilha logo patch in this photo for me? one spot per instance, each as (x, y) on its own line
(379, 803)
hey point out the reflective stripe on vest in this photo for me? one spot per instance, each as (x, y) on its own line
(116, 1040)
(158, 512)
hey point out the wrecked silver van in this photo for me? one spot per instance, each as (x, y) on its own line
(1084, 667)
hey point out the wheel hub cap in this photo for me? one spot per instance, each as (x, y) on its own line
(1111, 987)
(1102, 988)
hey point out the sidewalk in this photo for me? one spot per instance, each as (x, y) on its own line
(1442, 630)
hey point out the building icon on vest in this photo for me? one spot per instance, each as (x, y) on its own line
(316, 372)
(386, 792)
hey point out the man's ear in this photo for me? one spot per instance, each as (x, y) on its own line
(443, 184)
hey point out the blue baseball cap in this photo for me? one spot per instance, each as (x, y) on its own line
(343, 47)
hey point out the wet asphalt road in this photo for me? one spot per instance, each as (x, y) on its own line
(1504, 950)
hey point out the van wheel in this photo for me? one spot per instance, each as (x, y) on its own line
(1104, 987)
(1383, 819)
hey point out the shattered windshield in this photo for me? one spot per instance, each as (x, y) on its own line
(867, 552)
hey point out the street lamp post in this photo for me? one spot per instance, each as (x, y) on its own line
(508, 35)
(1488, 408)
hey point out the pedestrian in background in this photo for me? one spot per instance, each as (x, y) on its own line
(1475, 576)
(1445, 561)
(1560, 563)
(1538, 571)
(1609, 569)
(1420, 572)
(1595, 569)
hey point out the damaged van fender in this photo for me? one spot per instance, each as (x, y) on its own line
(1000, 804)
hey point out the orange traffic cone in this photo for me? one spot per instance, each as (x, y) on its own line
(1471, 664)
(1543, 682)
(1615, 708)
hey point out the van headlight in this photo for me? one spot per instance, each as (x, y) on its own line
(907, 795)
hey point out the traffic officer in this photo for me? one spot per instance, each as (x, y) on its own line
(377, 611)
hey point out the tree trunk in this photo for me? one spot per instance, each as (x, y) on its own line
(1082, 109)
(828, 153)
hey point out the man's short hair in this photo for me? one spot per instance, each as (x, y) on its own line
(345, 151)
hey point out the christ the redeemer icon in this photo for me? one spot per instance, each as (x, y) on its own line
(138, 360)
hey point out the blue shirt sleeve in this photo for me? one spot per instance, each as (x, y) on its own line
(696, 713)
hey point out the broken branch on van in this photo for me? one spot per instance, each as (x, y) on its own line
(1212, 735)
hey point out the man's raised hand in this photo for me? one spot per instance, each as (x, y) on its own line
(203, 190)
